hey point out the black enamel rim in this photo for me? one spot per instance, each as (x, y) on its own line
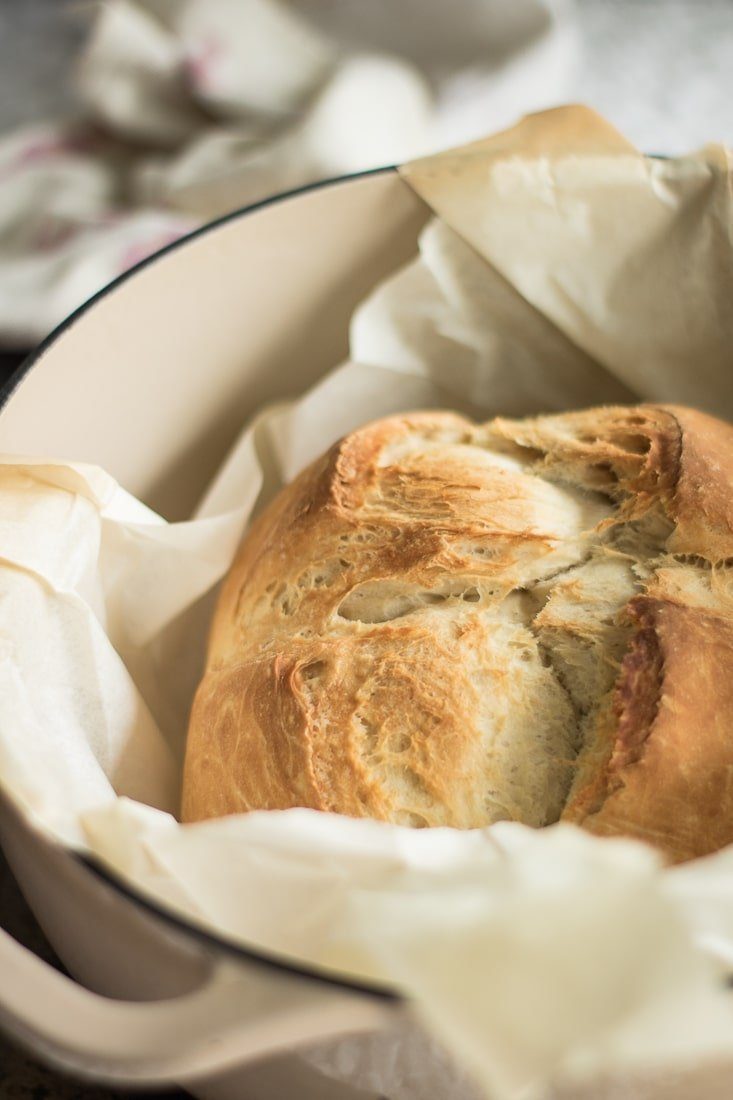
(173, 919)
(232, 948)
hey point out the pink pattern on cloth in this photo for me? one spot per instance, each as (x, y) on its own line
(198, 65)
(40, 150)
(138, 251)
(48, 148)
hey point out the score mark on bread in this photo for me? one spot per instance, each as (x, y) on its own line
(444, 623)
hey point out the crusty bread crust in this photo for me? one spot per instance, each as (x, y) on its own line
(669, 777)
(443, 623)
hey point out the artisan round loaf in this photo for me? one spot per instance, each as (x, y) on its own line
(444, 623)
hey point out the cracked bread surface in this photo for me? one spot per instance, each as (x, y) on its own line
(445, 623)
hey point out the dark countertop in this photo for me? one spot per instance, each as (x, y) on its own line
(9, 360)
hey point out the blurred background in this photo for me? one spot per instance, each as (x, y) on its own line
(125, 124)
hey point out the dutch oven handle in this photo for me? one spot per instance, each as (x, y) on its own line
(238, 1014)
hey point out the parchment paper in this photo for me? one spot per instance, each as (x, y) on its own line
(563, 269)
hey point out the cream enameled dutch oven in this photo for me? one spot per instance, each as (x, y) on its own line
(152, 380)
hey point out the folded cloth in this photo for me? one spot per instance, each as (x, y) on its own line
(191, 108)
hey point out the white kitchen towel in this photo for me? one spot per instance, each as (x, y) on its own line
(191, 108)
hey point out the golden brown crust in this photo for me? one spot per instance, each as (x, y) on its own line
(703, 499)
(669, 779)
(425, 626)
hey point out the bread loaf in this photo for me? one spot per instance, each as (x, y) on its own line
(444, 623)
